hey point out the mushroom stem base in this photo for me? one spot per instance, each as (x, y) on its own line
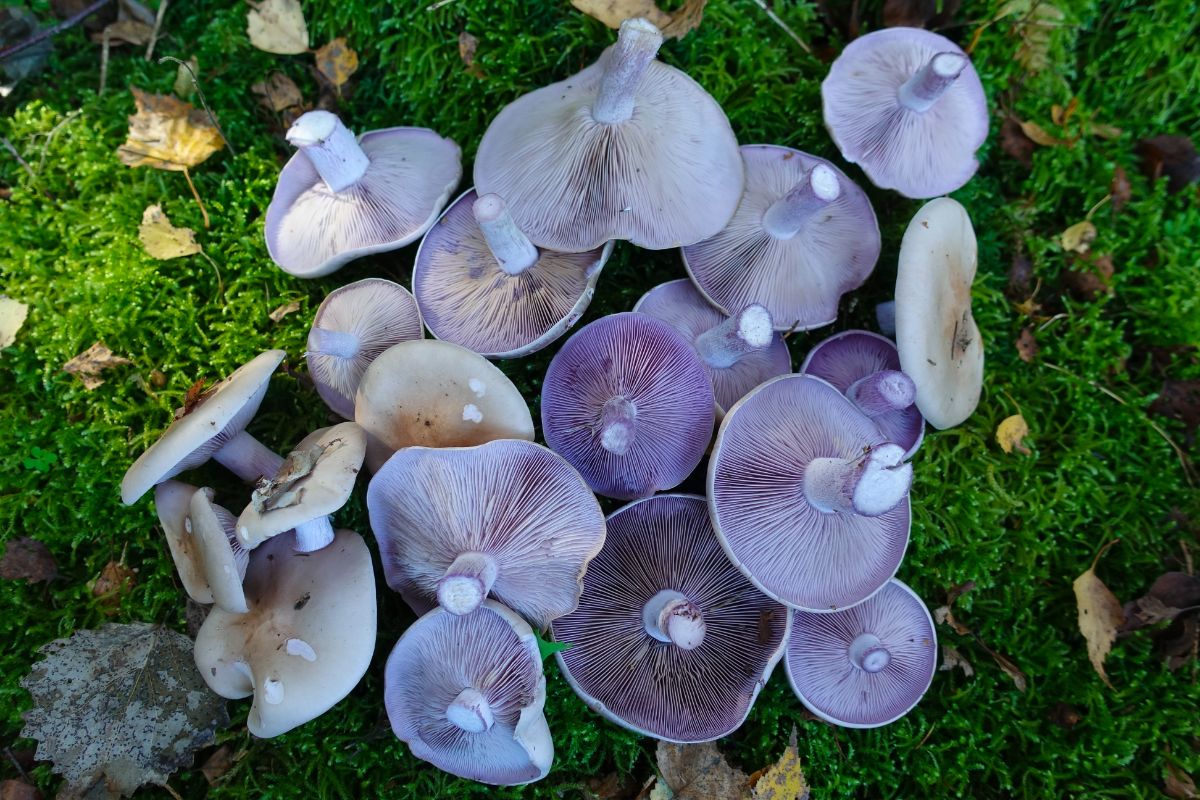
(870, 485)
(722, 346)
(467, 582)
(882, 392)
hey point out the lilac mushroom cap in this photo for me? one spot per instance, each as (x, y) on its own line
(629, 148)
(809, 499)
(628, 403)
(466, 693)
(200, 534)
(802, 236)
(341, 197)
(508, 518)
(739, 352)
(352, 326)
(482, 284)
(865, 666)
(906, 105)
(865, 367)
(670, 640)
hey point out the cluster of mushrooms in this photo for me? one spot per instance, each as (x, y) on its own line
(676, 607)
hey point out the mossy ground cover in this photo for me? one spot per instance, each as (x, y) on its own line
(1020, 526)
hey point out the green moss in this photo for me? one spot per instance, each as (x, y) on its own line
(1021, 527)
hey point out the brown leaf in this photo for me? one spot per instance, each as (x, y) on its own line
(1100, 615)
(699, 772)
(1179, 399)
(162, 240)
(28, 560)
(1093, 280)
(336, 62)
(945, 616)
(1171, 594)
(1020, 277)
(168, 133)
(278, 26)
(1179, 641)
(951, 658)
(685, 19)
(277, 92)
(1009, 668)
(1148, 610)
(1120, 188)
(217, 764)
(125, 31)
(88, 365)
(284, 310)
(1179, 784)
(13, 314)
(1038, 134)
(675, 25)
(1015, 142)
(613, 786)
(1027, 346)
(114, 582)
(1065, 716)
(18, 790)
(1103, 130)
(467, 45)
(919, 13)
(1172, 156)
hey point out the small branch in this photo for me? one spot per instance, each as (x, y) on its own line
(195, 194)
(43, 35)
(200, 93)
(158, 18)
(775, 18)
(25, 164)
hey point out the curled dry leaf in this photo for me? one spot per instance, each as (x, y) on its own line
(88, 365)
(1079, 237)
(168, 133)
(336, 62)
(163, 240)
(1037, 134)
(1027, 346)
(697, 772)
(1100, 615)
(783, 780)
(13, 314)
(1120, 189)
(278, 26)
(114, 582)
(278, 92)
(284, 310)
(217, 764)
(951, 658)
(674, 25)
(1011, 433)
(27, 560)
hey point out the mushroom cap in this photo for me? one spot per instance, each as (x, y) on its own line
(436, 394)
(680, 304)
(801, 279)
(192, 438)
(939, 343)
(492, 651)
(668, 176)
(836, 690)
(790, 550)
(315, 480)
(224, 559)
(651, 366)
(656, 688)
(307, 639)
(466, 298)
(312, 231)
(917, 154)
(514, 501)
(848, 356)
(377, 311)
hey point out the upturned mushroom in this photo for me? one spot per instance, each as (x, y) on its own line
(436, 394)
(466, 693)
(808, 498)
(306, 640)
(629, 148)
(865, 666)
(906, 105)
(509, 519)
(627, 402)
(352, 326)
(803, 235)
(670, 640)
(341, 197)
(200, 534)
(739, 352)
(482, 284)
(939, 343)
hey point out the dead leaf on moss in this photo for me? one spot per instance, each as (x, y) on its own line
(467, 45)
(217, 764)
(1015, 142)
(1179, 784)
(125, 31)
(18, 790)
(168, 133)
(1079, 237)
(115, 581)
(88, 365)
(13, 314)
(336, 62)
(284, 310)
(1103, 130)
(951, 659)
(1172, 156)
(697, 772)
(1120, 189)
(783, 780)
(1100, 615)
(674, 25)
(1038, 134)
(1011, 433)
(27, 560)
(278, 92)
(1035, 24)
(185, 83)
(278, 26)
(1027, 346)
(162, 240)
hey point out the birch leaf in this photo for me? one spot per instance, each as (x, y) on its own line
(1100, 615)
(278, 26)
(163, 240)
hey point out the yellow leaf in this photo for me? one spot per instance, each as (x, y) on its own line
(1100, 615)
(167, 133)
(1078, 237)
(278, 26)
(784, 780)
(674, 25)
(284, 310)
(163, 240)
(185, 84)
(1038, 134)
(278, 92)
(12, 317)
(87, 365)
(1011, 433)
(337, 62)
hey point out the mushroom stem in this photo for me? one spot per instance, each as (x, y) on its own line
(313, 535)
(923, 89)
(512, 249)
(870, 485)
(339, 344)
(467, 582)
(248, 458)
(883, 391)
(331, 148)
(722, 345)
(808, 197)
(868, 653)
(470, 711)
(637, 45)
(618, 425)
(670, 617)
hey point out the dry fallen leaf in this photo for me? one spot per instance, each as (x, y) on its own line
(1100, 615)
(1120, 189)
(278, 26)
(277, 92)
(88, 365)
(1027, 346)
(336, 62)
(698, 772)
(1172, 156)
(163, 240)
(1079, 237)
(467, 45)
(217, 764)
(1011, 433)
(13, 314)
(675, 25)
(168, 133)
(185, 84)
(28, 560)
(1103, 130)
(1179, 784)
(784, 780)
(125, 31)
(284, 310)
(1038, 134)
(951, 658)
(1015, 142)
(113, 582)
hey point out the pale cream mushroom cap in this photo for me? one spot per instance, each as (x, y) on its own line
(940, 345)
(436, 394)
(199, 534)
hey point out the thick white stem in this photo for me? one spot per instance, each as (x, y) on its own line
(248, 458)
(637, 45)
(467, 582)
(618, 426)
(313, 535)
(670, 617)
(870, 485)
(923, 89)
(338, 344)
(331, 147)
(789, 214)
(470, 711)
(868, 653)
(722, 345)
(512, 249)
(882, 392)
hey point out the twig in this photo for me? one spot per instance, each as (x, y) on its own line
(195, 194)
(9, 147)
(925, 738)
(158, 18)
(771, 15)
(53, 133)
(41, 36)
(1187, 557)
(200, 93)
(167, 786)
(220, 282)
(8, 752)
(104, 60)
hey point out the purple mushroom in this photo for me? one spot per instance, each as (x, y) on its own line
(508, 518)
(467, 692)
(865, 367)
(341, 197)
(353, 325)
(865, 666)
(803, 235)
(628, 403)
(739, 352)
(629, 148)
(669, 639)
(482, 284)
(807, 496)
(906, 105)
